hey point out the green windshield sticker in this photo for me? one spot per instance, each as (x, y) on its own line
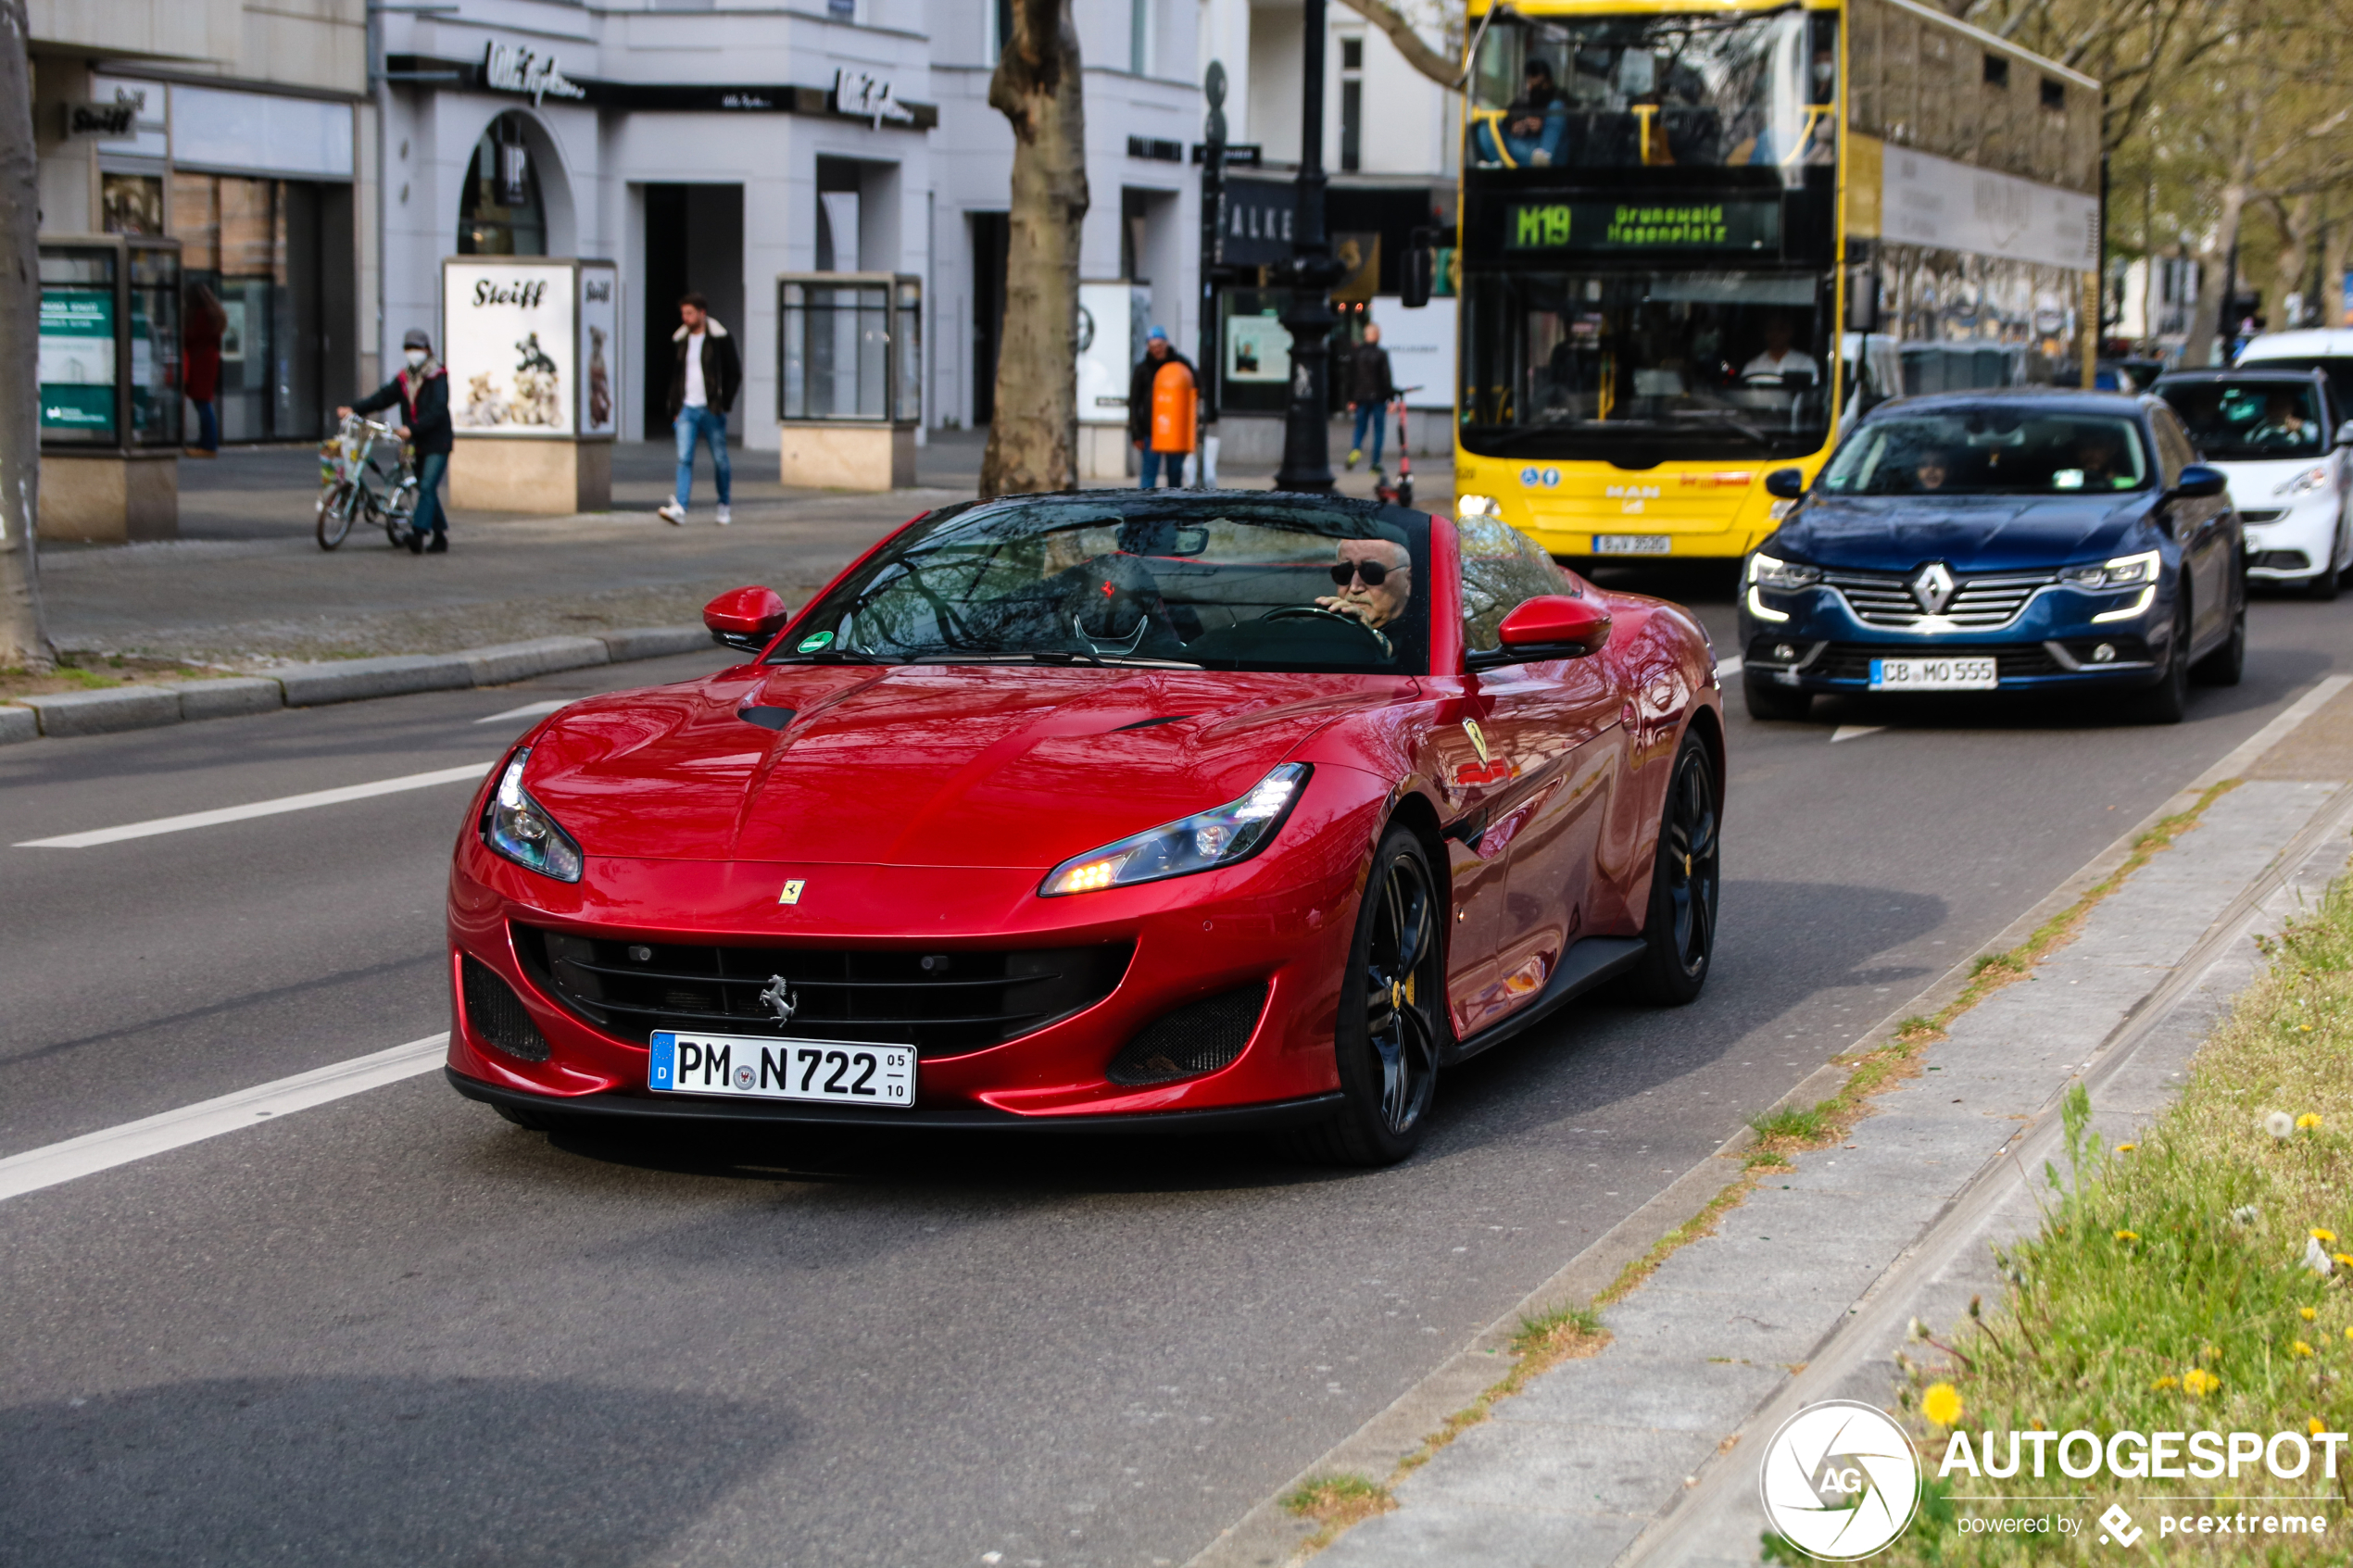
(1607, 225)
(813, 643)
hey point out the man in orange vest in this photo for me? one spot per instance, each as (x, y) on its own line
(1161, 397)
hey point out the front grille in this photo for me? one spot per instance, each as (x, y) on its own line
(1199, 1037)
(497, 1014)
(943, 1002)
(1882, 598)
(1852, 661)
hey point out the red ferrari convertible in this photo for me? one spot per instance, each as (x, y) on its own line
(1112, 810)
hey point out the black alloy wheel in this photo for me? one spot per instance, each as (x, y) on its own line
(2169, 700)
(1391, 1012)
(1679, 935)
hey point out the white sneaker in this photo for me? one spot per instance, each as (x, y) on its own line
(672, 513)
(725, 516)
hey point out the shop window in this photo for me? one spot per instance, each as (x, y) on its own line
(1351, 105)
(255, 246)
(130, 204)
(1140, 36)
(499, 206)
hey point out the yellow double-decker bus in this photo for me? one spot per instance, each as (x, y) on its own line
(1696, 242)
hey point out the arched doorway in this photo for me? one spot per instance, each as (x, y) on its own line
(499, 208)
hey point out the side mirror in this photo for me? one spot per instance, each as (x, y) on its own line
(746, 618)
(1549, 626)
(2345, 434)
(1785, 484)
(2199, 482)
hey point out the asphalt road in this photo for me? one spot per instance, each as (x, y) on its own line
(395, 1329)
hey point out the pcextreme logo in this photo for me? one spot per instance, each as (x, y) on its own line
(1840, 1480)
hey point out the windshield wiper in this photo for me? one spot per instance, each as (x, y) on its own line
(1058, 655)
(829, 655)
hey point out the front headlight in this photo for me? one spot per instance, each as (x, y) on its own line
(1765, 571)
(2124, 571)
(2303, 483)
(519, 827)
(1477, 506)
(1233, 831)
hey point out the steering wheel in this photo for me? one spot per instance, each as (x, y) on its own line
(1302, 612)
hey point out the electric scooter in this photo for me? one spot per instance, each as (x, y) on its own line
(1401, 493)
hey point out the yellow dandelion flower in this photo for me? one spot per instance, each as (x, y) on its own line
(2344, 1258)
(2316, 1425)
(2170, 1381)
(2301, 1349)
(1942, 1404)
(2197, 1381)
(2307, 1313)
(2126, 1148)
(2128, 1236)
(2310, 1120)
(2322, 1232)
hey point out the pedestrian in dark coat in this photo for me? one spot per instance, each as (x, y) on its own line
(1369, 390)
(422, 390)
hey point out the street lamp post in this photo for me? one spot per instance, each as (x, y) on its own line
(1307, 459)
(1213, 207)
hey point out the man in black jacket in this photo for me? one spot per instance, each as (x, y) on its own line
(422, 392)
(702, 388)
(1369, 390)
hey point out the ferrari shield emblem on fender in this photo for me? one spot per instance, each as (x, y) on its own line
(791, 895)
(1932, 586)
(1477, 740)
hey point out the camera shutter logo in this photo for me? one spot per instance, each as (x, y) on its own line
(1840, 1480)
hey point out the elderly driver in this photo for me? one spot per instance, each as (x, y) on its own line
(1375, 578)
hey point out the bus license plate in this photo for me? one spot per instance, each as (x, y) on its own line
(1633, 544)
(1932, 675)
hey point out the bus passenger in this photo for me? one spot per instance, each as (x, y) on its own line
(1532, 128)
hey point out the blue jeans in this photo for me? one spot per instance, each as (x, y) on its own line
(429, 518)
(1151, 461)
(1377, 415)
(701, 424)
(208, 426)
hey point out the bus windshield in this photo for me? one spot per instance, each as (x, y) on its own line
(1663, 364)
(1715, 90)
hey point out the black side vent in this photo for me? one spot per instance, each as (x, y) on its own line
(498, 1015)
(1198, 1038)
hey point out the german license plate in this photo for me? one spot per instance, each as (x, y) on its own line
(831, 1071)
(1932, 675)
(1633, 544)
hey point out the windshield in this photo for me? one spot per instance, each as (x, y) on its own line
(2339, 370)
(1693, 364)
(2251, 419)
(1713, 91)
(1222, 585)
(1993, 450)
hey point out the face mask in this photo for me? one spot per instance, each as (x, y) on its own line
(416, 358)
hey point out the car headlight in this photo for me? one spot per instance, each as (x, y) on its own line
(519, 827)
(1765, 571)
(1231, 832)
(2303, 483)
(2124, 571)
(1477, 506)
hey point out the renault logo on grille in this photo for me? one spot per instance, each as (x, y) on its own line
(1932, 586)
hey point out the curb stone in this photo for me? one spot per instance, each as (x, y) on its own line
(147, 706)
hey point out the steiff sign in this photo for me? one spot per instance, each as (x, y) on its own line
(511, 68)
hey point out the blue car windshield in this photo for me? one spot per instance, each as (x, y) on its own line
(1990, 451)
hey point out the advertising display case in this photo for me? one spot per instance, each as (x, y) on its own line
(533, 345)
(849, 378)
(109, 387)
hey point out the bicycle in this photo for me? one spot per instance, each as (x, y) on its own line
(354, 483)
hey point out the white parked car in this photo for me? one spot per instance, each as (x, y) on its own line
(2278, 436)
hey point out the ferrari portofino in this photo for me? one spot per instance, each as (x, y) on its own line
(1099, 810)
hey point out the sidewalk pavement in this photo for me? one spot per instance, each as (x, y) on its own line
(247, 585)
(1647, 1452)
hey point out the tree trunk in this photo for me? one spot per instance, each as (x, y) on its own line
(24, 642)
(2293, 272)
(2214, 288)
(1033, 441)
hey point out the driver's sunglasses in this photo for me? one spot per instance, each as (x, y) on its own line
(1372, 572)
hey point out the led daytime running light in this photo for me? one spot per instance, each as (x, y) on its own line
(1231, 832)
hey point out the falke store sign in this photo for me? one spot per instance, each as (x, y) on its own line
(511, 68)
(1254, 221)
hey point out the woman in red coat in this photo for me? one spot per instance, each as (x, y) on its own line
(201, 326)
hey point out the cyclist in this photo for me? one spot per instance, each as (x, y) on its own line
(422, 392)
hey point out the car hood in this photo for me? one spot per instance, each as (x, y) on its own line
(2255, 483)
(969, 765)
(1968, 533)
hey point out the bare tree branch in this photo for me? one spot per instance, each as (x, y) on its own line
(1419, 53)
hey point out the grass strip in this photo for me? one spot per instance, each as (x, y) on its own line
(1571, 1331)
(2200, 1279)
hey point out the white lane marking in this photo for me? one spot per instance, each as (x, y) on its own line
(258, 809)
(1728, 667)
(1854, 731)
(102, 1150)
(530, 710)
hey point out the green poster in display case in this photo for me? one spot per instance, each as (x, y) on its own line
(77, 360)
